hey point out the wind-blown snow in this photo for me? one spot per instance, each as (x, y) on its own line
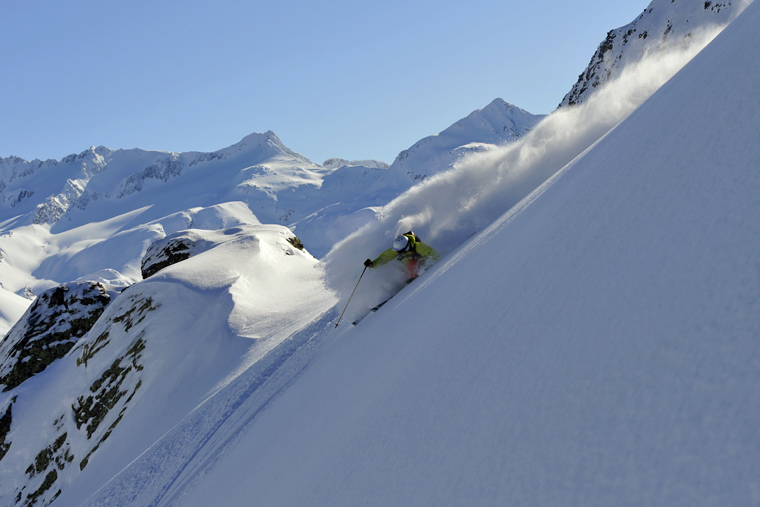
(450, 207)
(497, 124)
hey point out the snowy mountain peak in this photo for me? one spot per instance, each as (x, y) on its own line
(664, 24)
(255, 148)
(502, 107)
(256, 139)
(46, 193)
(496, 124)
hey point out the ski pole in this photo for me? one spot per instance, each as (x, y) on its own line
(352, 295)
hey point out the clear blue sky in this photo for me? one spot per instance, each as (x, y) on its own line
(349, 79)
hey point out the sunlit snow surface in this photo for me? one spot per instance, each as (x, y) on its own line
(205, 324)
(595, 346)
(11, 309)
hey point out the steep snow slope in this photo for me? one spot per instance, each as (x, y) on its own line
(448, 208)
(664, 25)
(595, 346)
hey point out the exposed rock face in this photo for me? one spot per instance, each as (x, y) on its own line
(337, 163)
(5, 427)
(664, 24)
(162, 170)
(49, 329)
(111, 362)
(120, 379)
(167, 251)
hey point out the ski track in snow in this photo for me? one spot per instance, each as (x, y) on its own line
(165, 473)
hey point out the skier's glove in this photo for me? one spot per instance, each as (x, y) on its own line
(368, 263)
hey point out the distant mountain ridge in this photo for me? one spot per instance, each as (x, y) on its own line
(51, 189)
(155, 193)
(663, 24)
(260, 166)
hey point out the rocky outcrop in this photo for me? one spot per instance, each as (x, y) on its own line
(120, 379)
(111, 361)
(5, 427)
(664, 24)
(73, 195)
(49, 329)
(162, 170)
(337, 163)
(168, 251)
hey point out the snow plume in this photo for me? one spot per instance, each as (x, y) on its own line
(450, 207)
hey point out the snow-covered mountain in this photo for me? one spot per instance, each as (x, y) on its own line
(182, 353)
(92, 215)
(152, 354)
(664, 24)
(258, 170)
(596, 346)
(496, 124)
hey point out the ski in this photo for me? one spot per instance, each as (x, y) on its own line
(372, 310)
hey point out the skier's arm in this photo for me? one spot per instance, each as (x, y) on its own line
(385, 258)
(428, 252)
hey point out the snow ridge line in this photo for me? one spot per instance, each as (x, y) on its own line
(174, 464)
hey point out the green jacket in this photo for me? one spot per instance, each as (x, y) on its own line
(416, 250)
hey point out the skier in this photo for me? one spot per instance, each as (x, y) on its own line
(408, 249)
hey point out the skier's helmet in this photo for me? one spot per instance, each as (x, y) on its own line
(400, 243)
